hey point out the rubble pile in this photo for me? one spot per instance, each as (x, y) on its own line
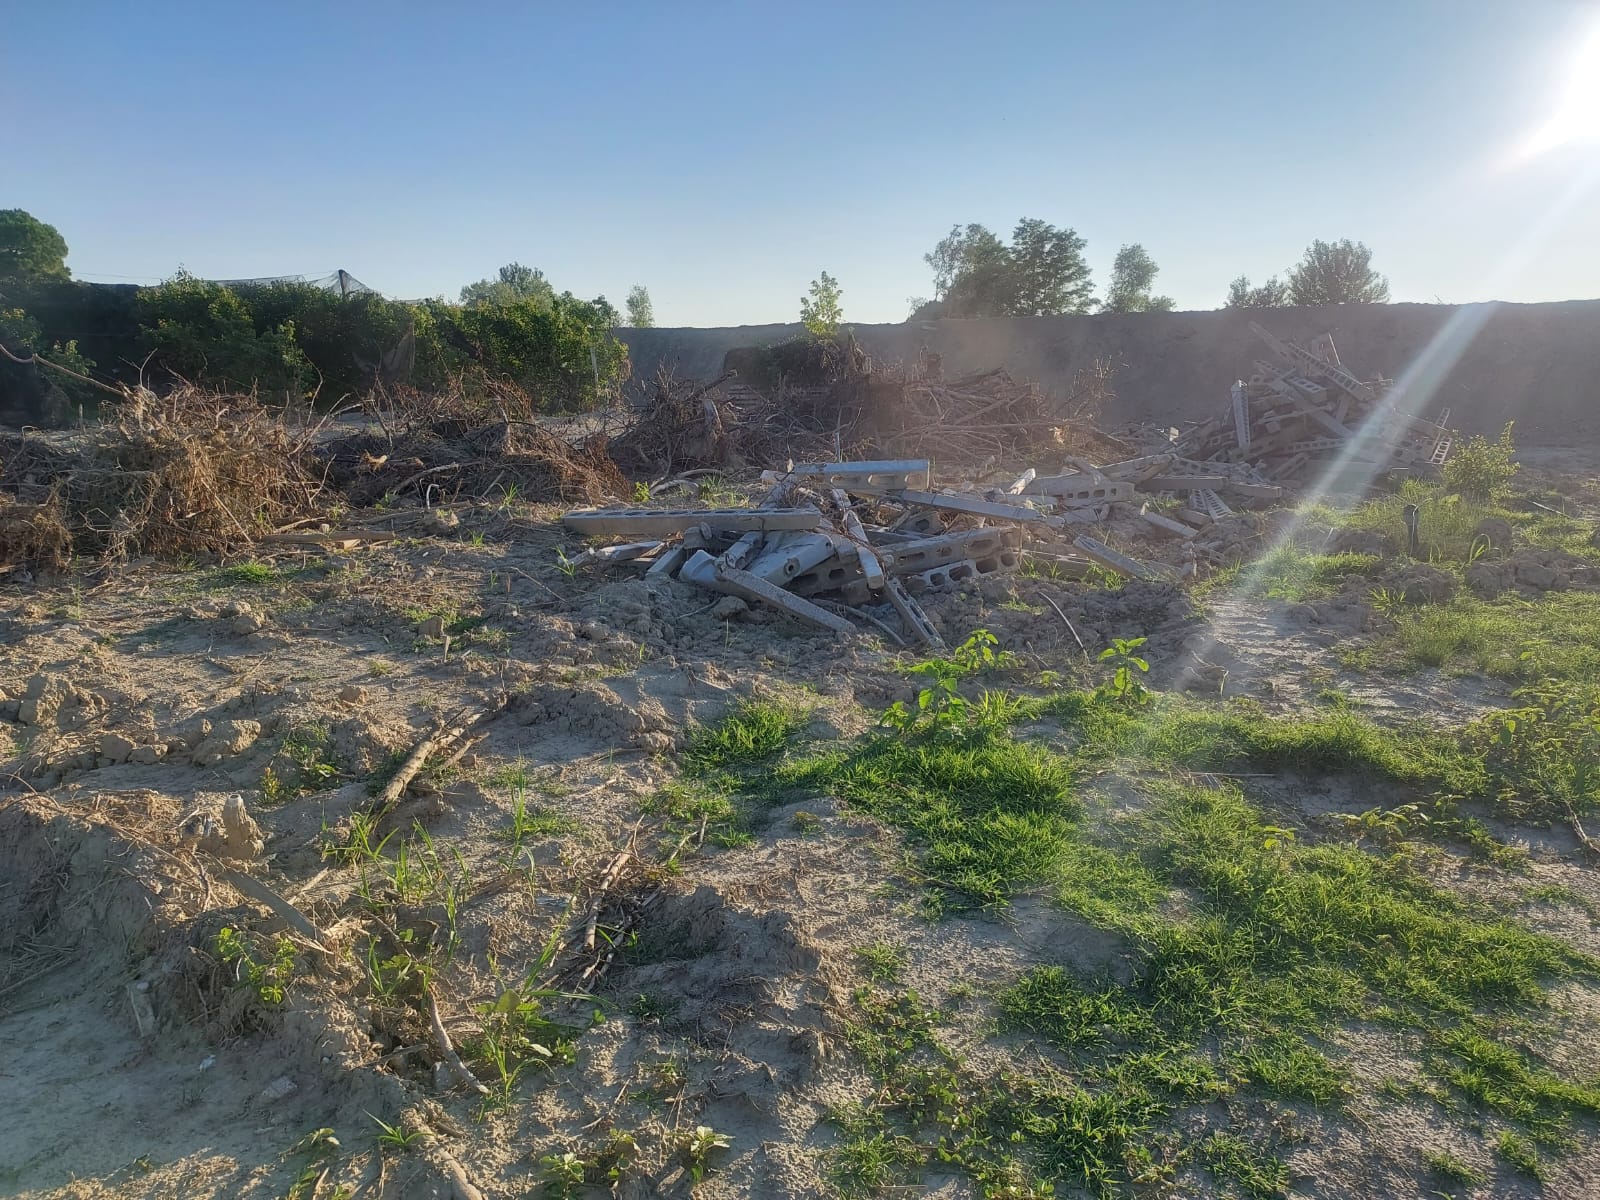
(849, 407)
(866, 539)
(1304, 412)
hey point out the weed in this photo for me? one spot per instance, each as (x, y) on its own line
(267, 977)
(562, 1174)
(567, 566)
(1447, 1166)
(884, 963)
(1481, 469)
(1517, 1150)
(247, 574)
(1231, 1157)
(805, 823)
(697, 1148)
(531, 822)
(871, 1157)
(641, 492)
(612, 1160)
(646, 1007)
(397, 1137)
(940, 705)
(1124, 686)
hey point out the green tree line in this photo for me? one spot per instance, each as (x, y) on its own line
(293, 338)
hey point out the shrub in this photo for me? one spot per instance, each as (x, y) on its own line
(1481, 469)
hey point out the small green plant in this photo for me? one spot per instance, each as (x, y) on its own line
(805, 823)
(821, 312)
(562, 1174)
(565, 565)
(248, 574)
(1125, 685)
(1447, 1166)
(615, 1155)
(398, 1137)
(1481, 469)
(273, 790)
(884, 963)
(641, 492)
(320, 1145)
(267, 977)
(940, 704)
(1519, 1151)
(697, 1148)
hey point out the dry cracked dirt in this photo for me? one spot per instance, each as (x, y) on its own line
(663, 913)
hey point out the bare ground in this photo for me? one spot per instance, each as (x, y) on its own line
(725, 1007)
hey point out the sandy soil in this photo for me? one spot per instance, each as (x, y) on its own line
(133, 1065)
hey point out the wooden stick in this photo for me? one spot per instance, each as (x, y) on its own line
(592, 922)
(256, 890)
(418, 758)
(446, 1051)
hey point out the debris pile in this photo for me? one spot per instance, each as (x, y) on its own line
(1296, 416)
(185, 473)
(867, 538)
(453, 459)
(863, 411)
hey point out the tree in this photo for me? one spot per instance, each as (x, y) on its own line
(1132, 274)
(1274, 293)
(514, 283)
(30, 249)
(1052, 276)
(1337, 273)
(975, 274)
(821, 313)
(641, 313)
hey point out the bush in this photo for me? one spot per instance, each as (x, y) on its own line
(288, 339)
(1481, 469)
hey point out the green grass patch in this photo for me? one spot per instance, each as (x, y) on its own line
(752, 733)
(1556, 637)
(988, 814)
(246, 574)
(1290, 572)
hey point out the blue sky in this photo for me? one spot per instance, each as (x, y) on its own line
(724, 154)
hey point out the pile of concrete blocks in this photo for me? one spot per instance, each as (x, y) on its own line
(1305, 417)
(829, 538)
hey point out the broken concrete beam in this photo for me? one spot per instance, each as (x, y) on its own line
(1133, 470)
(871, 568)
(666, 563)
(1261, 491)
(1114, 561)
(831, 576)
(1021, 482)
(619, 554)
(1076, 491)
(660, 521)
(789, 555)
(965, 504)
(1166, 523)
(1194, 517)
(704, 571)
(1181, 483)
(941, 579)
(912, 558)
(1209, 503)
(912, 617)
